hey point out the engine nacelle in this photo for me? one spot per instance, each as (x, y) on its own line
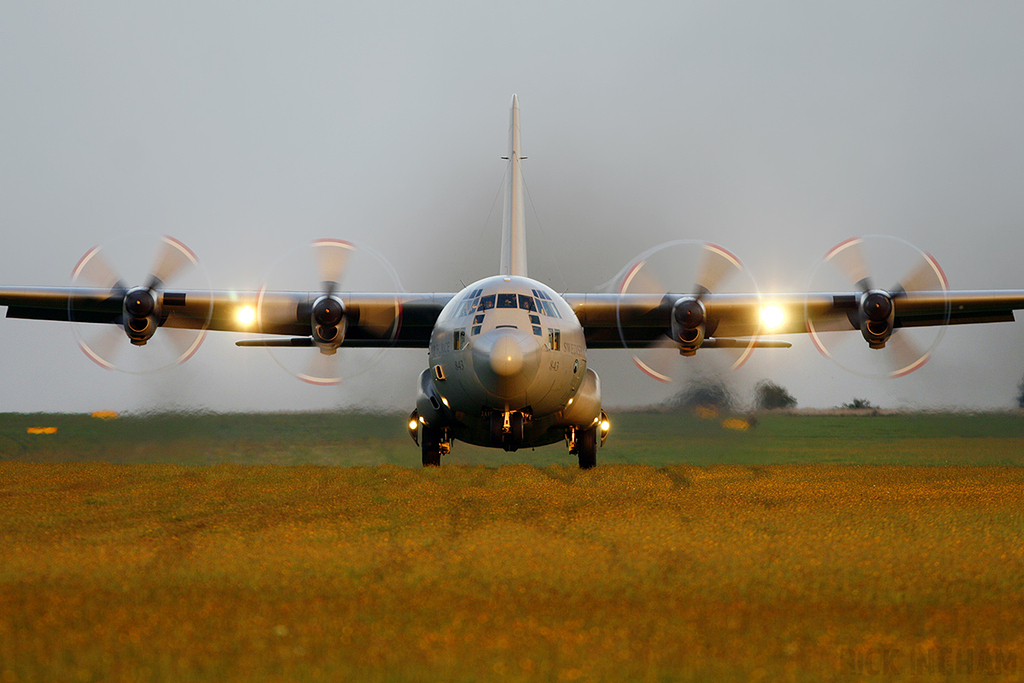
(877, 315)
(141, 315)
(328, 323)
(689, 321)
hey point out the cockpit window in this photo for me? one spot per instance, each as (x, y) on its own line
(466, 307)
(506, 300)
(548, 308)
(486, 303)
(526, 303)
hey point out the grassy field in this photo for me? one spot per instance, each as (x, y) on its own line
(722, 555)
(649, 438)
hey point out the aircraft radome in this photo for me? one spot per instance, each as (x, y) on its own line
(508, 354)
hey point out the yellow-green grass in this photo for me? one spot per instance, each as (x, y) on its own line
(624, 573)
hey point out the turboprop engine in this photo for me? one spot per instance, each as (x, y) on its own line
(876, 314)
(689, 322)
(141, 317)
(327, 320)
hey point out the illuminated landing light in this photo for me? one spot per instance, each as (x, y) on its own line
(246, 315)
(772, 317)
(413, 425)
(605, 425)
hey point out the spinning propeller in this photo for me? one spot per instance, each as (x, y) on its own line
(864, 262)
(139, 310)
(677, 277)
(324, 312)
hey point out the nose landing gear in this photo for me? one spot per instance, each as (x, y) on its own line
(508, 429)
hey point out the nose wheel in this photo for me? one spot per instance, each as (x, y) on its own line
(508, 429)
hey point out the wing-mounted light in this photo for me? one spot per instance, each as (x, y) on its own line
(889, 320)
(141, 311)
(325, 315)
(675, 281)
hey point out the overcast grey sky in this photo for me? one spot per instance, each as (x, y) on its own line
(246, 129)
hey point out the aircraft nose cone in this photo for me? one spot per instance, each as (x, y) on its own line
(506, 358)
(506, 361)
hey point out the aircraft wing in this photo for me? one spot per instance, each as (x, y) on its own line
(641, 320)
(373, 320)
(406, 319)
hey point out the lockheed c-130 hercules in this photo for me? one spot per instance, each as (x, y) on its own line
(508, 354)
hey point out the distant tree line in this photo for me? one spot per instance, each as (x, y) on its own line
(712, 392)
(770, 396)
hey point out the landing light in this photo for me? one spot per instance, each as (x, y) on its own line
(246, 315)
(772, 317)
(413, 425)
(605, 425)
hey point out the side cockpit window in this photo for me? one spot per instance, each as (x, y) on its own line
(554, 339)
(545, 305)
(548, 308)
(466, 307)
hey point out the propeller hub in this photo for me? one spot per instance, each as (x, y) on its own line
(877, 306)
(139, 302)
(328, 311)
(688, 313)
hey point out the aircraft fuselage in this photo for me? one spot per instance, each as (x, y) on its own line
(508, 366)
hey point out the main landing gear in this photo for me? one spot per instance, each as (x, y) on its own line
(584, 446)
(583, 441)
(433, 442)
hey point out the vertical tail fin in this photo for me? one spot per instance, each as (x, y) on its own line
(513, 228)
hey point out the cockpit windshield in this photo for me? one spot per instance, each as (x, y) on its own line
(486, 303)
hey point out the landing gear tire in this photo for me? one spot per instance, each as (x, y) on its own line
(430, 441)
(513, 439)
(586, 447)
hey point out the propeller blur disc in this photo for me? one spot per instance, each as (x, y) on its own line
(174, 273)
(330, 267)
(667, 272)
(893, 265)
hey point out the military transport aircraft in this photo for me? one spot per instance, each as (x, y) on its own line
(508, 354)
